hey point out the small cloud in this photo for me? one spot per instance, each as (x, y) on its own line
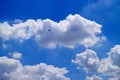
(17, 21)
(5, 46)
(94, 77)
(16, 55)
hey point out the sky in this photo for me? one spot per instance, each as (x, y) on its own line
(59, 40)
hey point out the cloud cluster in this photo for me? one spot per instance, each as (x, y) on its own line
(11, 69)
(72, 31)
(109, 66)
(88, 60)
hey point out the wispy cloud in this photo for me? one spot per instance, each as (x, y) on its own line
(88, 60)
(5, 46)
(102, 8)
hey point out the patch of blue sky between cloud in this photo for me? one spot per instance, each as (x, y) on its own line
(72, 31)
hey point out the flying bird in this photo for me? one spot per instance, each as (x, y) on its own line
(49, 29)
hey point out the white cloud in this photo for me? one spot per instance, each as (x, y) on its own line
(20, 31)
(114, 55)
(88, 60)
(111, 65)
(94, 77)
(108, 66)
(11, 69)
(16, 55)
(74, 30)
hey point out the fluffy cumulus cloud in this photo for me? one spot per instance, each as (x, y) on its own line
(11, 69)
(114, 55)
(72, 31)
(111, 65)
(88, 60)
(19, 31)
(94, 77)
(108, 66)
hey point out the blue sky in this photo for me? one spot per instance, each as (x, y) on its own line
(59, 40)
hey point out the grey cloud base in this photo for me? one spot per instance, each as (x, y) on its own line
(72, 31)
(11, 69)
